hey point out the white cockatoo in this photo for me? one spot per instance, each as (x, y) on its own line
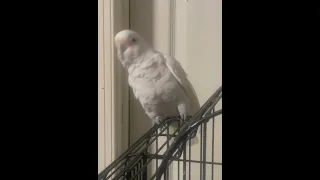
(158, 81)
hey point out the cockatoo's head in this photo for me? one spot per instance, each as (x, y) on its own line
(130, 45)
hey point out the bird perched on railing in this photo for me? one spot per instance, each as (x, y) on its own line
(158, 81)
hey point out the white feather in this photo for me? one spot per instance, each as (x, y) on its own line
(181, 76)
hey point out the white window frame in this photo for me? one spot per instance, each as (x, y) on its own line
(113, 103)
(113, 90)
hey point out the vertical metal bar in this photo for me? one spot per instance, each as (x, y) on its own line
(212, 159)
(184, 163)
(179, 126)
(135, 170)
(145, 170)
(141, 173)
(204, 150)
(157, 136)
(167, 174)
(201, 152)
(139, 167)
(189, 159)
(178, 170)
(128, 174)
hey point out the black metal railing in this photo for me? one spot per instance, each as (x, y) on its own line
(152, 155)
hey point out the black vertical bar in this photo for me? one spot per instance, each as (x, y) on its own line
(204, 149)
(179, 126)
(201, 153)
(189, 159)
(157, 136)
(167, 174)
(178, 170)
(139, 167)
(184, 162)
(135, 170)
(145, 170)
(140, 176)
(128, 174)
(212, 144)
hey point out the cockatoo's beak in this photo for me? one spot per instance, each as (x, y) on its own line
(124, 44)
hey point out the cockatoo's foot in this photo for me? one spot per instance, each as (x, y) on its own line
(159, 120)
(183, 117)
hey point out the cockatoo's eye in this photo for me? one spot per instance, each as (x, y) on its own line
(133, 40)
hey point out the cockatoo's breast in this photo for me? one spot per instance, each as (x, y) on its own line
(153, 80)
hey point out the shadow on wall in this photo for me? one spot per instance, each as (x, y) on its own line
(141, 22)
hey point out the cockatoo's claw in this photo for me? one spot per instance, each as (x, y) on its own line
(182, 117)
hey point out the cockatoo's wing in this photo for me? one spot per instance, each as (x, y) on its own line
(181, 76)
